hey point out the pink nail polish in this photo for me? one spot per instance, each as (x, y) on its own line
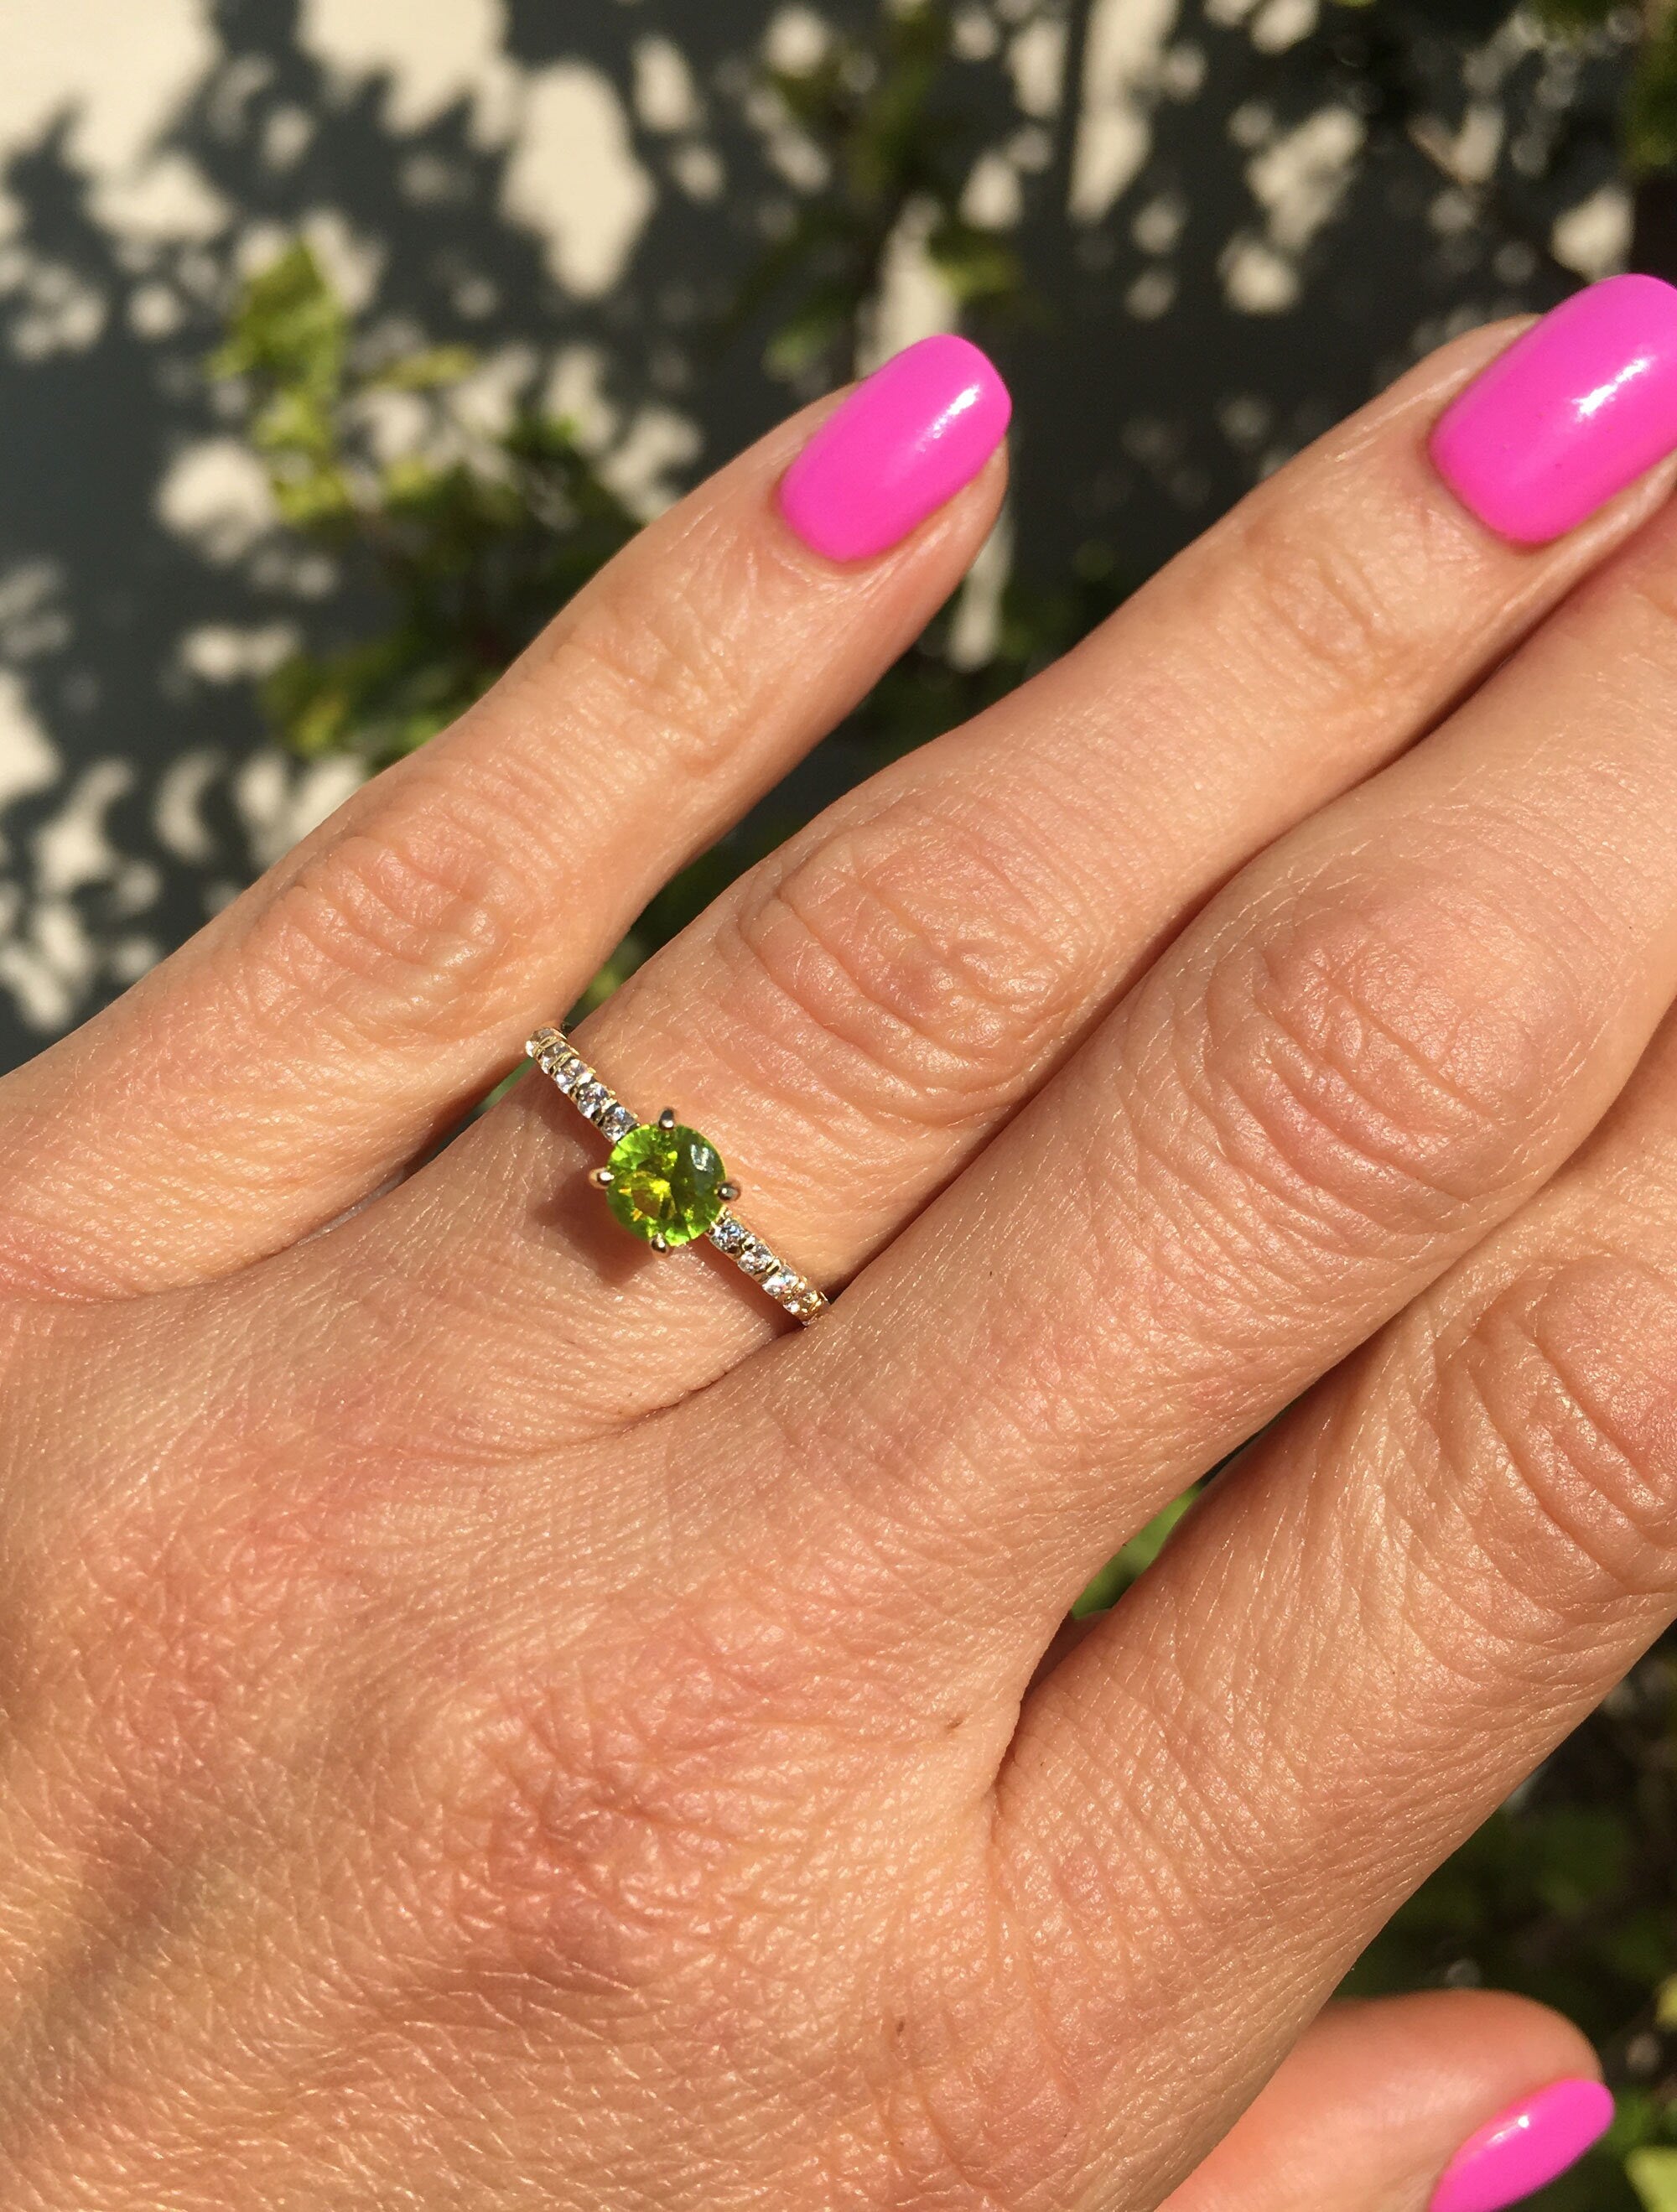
(903, 442)
(1575, 411)
(1525, 2147)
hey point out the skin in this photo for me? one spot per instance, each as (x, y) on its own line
(489, 1723)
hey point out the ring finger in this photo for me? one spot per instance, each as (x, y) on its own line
(853, 1021)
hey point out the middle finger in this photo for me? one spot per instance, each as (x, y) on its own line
(1384, 1035)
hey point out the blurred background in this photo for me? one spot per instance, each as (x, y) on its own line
(340, 341)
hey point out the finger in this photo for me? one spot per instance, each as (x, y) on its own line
(1382, 1620)
(1379, 2101)
(853, 1021)
(1375, 1046)
(375, 984)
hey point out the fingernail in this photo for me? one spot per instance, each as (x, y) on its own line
(1576, 409)
(1525, 2147)
(905, 441)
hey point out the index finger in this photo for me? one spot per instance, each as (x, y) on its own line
(328, 1026)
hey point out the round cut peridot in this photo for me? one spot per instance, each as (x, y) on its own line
(665, 1184)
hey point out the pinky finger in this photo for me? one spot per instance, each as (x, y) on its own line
(1458, 2100)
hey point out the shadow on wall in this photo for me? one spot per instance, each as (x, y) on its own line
(140, 580)
(1229, 236)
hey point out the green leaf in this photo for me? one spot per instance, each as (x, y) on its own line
(318, 501)
(1578, 1856)
(1642, 1946)
(976, 265)
(426, 371)
(824, 317)
(1133, 1561)
(288, 326)
(294, 420)
(1653, 2175)
(1651, 106)
(1572, 18)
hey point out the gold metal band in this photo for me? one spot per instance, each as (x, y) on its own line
(561, 1063)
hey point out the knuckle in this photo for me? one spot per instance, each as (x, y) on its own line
(27, 1331)
(982, 2104)
(1322, 599)
(401, 913)
(600, 1819)
(1368, 1064)
(1555, 1412)
(919, 959)
(1648, 585)
(660, 663)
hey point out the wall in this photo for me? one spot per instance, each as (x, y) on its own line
(1238, 218)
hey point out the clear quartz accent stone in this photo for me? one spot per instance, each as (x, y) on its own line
(617, 1122)
(757, 1259)
(780, 1282)
(728, 1235)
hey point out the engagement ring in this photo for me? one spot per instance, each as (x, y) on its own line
(666, 1183)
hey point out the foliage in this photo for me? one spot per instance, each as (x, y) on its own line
(1128, 1566)
(1653, 2173)
(471, 547)
(1647, 122)
(884, 116)
(1570, 1894)
(1650, 107)
(461, 550)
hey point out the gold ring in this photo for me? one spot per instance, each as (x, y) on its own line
(665, 1184)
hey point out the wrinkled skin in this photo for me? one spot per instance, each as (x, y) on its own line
(491, 1721)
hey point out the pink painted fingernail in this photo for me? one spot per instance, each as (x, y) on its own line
(1525, 2147)
(902, 443)
(1575, 411)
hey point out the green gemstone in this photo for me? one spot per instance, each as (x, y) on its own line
(665, 1183)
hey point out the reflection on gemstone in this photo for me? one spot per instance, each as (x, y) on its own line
(665, 1184)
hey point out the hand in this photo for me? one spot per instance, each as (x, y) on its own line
(493, 1720)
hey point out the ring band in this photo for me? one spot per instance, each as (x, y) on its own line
(707, 1212)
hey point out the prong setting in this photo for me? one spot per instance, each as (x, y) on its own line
(565, 1067)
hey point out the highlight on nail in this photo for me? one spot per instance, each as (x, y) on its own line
(896, 449)
(1575, 411)
(1523, 2148)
